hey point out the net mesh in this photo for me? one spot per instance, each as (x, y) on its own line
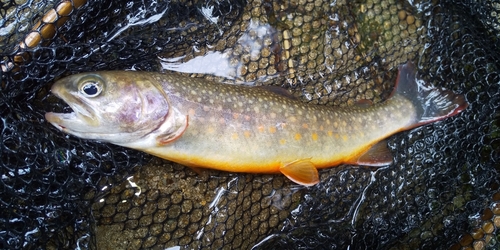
(442, 190)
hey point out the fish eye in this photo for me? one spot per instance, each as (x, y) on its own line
(91, 88)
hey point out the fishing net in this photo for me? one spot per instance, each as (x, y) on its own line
(442, 191)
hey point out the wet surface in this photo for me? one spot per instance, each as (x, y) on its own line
(443, 183)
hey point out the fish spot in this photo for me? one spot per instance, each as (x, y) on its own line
(344, 137)
(297, 136)
(330, 133)
(282, 141)
(191, 112)
(256, 109)
(314, 136)
(246, 133)
(261, 128)
(206, 108)
(305, 125)
(272, 130)
(236, 115)
(211, 130)
(234, 136)
(273, 115)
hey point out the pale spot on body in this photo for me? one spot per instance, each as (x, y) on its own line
(314, 136)
(261, 128)
(211, 130)
(297, 136)
(272, 130)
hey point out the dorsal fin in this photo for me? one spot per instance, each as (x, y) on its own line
(278, 90)
(364, 103)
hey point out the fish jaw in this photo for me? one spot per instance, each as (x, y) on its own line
(78, 122)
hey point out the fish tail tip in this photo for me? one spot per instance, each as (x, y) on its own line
(432, 103)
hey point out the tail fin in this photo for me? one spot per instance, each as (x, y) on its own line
(432, 104)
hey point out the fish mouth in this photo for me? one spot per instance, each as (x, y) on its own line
(80, 121)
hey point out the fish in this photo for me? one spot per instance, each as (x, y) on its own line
(236, 128)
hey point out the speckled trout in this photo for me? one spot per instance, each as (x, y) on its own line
(204, 124)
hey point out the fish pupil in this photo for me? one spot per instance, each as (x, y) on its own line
(91, 89)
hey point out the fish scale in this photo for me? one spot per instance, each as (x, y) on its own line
(235, 128)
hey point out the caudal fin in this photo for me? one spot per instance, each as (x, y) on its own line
(432, 103)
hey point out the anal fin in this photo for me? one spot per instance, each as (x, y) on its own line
(302, 172)
(378, 155)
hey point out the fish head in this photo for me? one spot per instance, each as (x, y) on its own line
(116, 107)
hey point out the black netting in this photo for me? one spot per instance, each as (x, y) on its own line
(442, 191)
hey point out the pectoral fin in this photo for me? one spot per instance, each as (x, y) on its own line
(302, 172)
(173, 135)
(378, 155)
